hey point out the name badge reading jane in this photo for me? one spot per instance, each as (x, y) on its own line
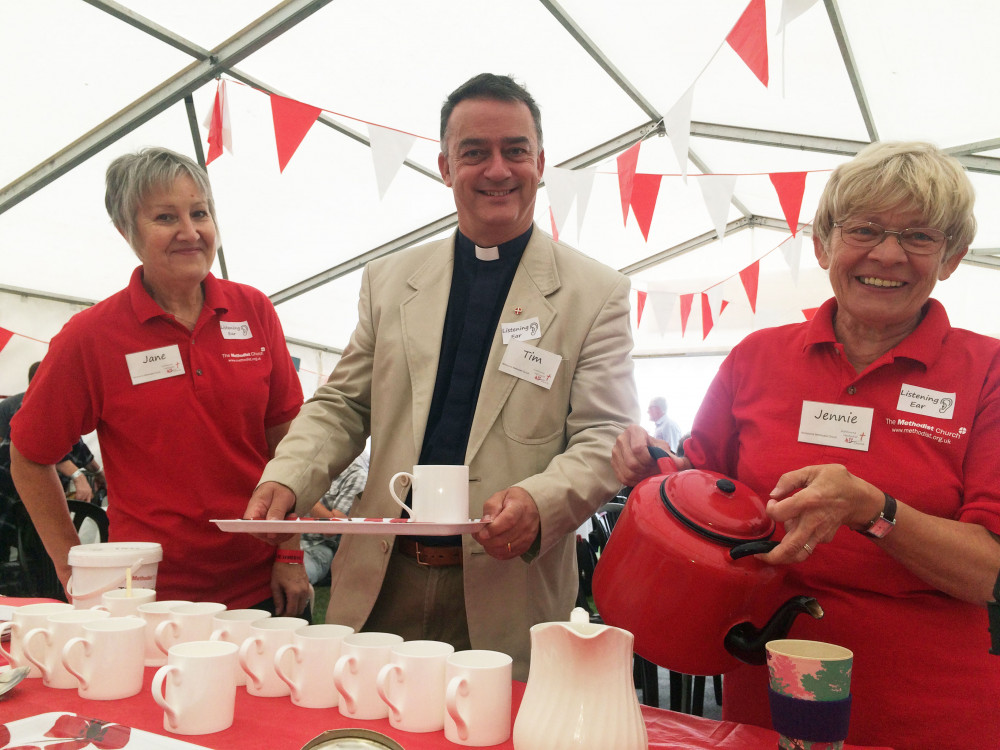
(154, 364)
(836, 425)
(530, 363)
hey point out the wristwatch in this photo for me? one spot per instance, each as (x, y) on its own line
(884, 522)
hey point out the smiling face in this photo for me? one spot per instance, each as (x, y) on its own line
(882, 289)
(175, 236)
(493, 165)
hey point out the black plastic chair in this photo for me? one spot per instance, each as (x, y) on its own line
(29, 572)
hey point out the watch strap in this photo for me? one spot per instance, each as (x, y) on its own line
(884, 522)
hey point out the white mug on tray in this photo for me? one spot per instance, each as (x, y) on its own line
(440, 493)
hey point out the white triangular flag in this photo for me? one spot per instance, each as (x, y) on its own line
(717, 192)
(715, 296)
(792, 9)
(678, 125)
(389, 150)
(584, 184)
(561, 187)
(792, 250)
(663, 304)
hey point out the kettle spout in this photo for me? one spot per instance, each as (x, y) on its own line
(746, 642)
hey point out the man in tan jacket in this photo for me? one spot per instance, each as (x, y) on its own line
(422, 376)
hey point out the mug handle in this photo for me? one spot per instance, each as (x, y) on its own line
(29, 636)
(70, 645)
(160, 696)
(392, 491)
(287, 678)
(338, 680)
(9, 625)
(382, 688)
(459, 686)
(245, 659)
(160, 634)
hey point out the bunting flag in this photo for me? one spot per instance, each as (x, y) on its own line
(292, 120)
(220, 133)
(560, 184)
(748, 39)
(792, 251)
(750, 276)
(706, 316)
(792, 9)
(555, 229)
(717, 302)
(677, 123)
(639, 307)
(717, 192)
(790, 186)
(687, 300)
(627, 162)
(663, 309)
(389, 150)
(645, 188)
(4, 337)
(584, 179)
(810, 312)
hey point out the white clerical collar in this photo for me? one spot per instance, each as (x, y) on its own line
(487, 253)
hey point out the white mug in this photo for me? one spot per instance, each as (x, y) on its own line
(257, 654)
(440, 493)
(191, 621)
(233, 626)
(121, 602)
(154, 613)
(306, 664)
(362, 655)
(477, 698)
(108, 659)
(196, 699)
(43, 646)
(412, 685)
(23, 619)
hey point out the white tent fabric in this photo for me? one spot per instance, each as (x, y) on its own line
(87, 80)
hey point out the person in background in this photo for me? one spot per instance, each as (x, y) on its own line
(664, 428)
(190, 386)
(319, 549)
(874, 430)
(425, 375)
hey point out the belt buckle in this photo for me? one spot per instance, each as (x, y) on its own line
(419, 548)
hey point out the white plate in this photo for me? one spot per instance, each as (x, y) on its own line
(31, 731)
(401, 526)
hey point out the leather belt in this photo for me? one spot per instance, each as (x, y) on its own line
(433, 557)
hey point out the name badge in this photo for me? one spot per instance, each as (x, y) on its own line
(530, 363)
(522, 330)
(231, 330)
(154, 364)
(836, 425)
(926, 402)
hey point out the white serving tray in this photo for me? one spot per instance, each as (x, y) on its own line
(31, 731)
(400, 526)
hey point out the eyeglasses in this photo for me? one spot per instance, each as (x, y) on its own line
(916, 240)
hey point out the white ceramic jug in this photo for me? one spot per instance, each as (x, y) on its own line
(580, 692)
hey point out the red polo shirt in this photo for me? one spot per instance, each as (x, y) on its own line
(178, 450)
(922, 676)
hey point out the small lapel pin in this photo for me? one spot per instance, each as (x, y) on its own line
(518, 311)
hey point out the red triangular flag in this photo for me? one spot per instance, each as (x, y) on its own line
(639, 307)
(215, 130)
(723, 306)
(809, 312)
(706, 316)
(555, 229)
(749, 38)
(686, 301)
(750, 276)
(645, 188)
(5, 337)
(627, 162)
(292, 121)
(790, 187)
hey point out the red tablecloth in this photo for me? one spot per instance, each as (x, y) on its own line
(278, 724)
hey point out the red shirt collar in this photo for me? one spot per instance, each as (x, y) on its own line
(146, 308)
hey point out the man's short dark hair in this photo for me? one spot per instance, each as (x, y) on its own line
(31, 370)
(490, 86)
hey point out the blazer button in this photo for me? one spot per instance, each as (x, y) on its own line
(404, 481)
(385, 546)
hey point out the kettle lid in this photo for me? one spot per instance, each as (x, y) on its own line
(716, 507)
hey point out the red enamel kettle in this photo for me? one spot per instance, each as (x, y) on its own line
(679, 573)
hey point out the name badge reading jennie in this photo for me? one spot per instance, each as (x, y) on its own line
(530, 363)
(836, 425)
(154, 364)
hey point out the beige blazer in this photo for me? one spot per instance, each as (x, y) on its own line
(554, 443)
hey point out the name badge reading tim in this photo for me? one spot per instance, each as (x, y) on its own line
(522, 330)
(154, 364)
(235, 330)
(836, 425)
(530, 363)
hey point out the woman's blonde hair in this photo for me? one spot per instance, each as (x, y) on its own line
(908, 176)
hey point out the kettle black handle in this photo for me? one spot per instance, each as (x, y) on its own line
(665, 462)
(752, 548)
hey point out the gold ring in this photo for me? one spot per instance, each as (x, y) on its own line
(807, 548)
(508, 547)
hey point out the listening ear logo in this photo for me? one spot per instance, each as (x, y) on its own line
(945, 405)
